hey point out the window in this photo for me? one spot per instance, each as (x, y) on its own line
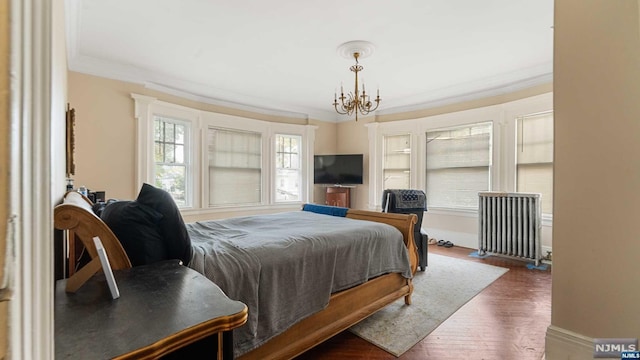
(288, 174)
(396, 168)
(235, 167)
(212, 162)
(534, 157)
(171, 160)
(458, 166)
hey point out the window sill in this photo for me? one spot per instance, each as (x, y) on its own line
(236, 209)
(453, 212)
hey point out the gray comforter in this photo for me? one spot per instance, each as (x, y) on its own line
(285, 266)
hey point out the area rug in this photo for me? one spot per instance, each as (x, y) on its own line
(445, 286)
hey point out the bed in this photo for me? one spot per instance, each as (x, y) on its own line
(335, 305)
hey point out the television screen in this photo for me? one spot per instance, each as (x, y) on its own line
(338, 169)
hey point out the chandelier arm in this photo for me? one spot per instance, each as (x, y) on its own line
(374, 108)
(338, 111)
(346, 108)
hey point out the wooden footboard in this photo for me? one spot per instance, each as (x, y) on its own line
(402, 222)
(348, 307)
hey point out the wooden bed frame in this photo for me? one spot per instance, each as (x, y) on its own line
(345, 308)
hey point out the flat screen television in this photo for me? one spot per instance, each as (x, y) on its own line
(338, 169)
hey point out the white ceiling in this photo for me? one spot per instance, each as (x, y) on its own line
(281, 54)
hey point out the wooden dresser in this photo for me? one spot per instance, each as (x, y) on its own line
(338, 196)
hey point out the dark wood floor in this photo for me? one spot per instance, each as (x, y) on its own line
(507, 320)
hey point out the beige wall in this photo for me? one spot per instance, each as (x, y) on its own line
(597, 168)
(105, 131)
(326, 132)
(352, 138)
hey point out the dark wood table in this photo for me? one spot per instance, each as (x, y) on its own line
(162, 308)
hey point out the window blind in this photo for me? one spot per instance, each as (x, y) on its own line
(458, 165)
(235, 167)
(396, 167)
(534, 157)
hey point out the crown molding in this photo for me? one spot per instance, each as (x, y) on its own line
(498, 85)
(205, 94)
(218, 102)
(484, 88)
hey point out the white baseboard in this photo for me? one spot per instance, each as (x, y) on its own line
(457, 238)
(561, 344)
(467, 240)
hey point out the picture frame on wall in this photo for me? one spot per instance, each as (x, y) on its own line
(70, 142)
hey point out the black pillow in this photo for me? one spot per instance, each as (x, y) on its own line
(176, 238)
(137, 228)
(100, 205)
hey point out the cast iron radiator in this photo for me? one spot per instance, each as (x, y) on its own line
(510, 224)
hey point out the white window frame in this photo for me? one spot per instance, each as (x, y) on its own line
(384, 153)
(188, 154)
(301, 163)
(503, 171)
(538, 104)
(146, 108)
(545, 114)
(489, 166)
(200, 121)
(418, 129)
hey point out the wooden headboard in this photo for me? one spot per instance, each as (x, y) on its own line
(76, 215)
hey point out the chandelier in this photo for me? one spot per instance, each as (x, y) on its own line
(357, 101)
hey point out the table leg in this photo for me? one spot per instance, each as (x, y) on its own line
(227, 345)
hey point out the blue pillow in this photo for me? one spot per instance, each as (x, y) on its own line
(326, 209)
